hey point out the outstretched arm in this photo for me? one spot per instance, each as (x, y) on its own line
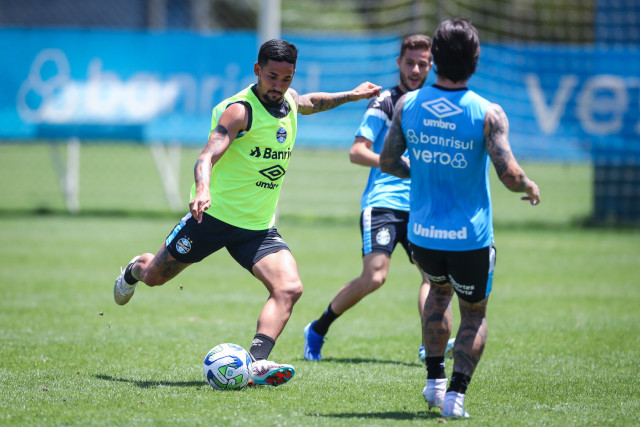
(316, 102)
(391, 159)
(496, 131)
(232, 121)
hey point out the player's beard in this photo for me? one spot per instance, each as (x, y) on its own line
(405, 82)
(267, 96)
(274, 103)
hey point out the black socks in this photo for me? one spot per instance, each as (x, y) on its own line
(261, 347)
(435, 368)
(322, 324)
(128, 277)
(459, 383)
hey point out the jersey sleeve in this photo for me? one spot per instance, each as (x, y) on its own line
(377, 118)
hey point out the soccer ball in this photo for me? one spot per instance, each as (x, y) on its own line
(227, 367)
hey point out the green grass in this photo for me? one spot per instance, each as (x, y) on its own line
(319, 183)
(563, 317)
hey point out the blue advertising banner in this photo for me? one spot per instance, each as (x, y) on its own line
(564, 103)
(123, 85)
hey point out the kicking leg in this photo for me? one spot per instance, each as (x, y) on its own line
(158, 269)
(151, 270)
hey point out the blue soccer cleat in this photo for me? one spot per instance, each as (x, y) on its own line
(312, 343)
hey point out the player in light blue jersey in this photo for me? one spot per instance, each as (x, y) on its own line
(452, 135)
(385, 202)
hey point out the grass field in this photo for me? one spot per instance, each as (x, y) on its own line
(563, 317)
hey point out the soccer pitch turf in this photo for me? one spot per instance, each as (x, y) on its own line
(563, 320)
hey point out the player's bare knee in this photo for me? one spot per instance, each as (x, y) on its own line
(151, 279)
(376, 281)
(296, 290)
(291, 290)
(475, 310)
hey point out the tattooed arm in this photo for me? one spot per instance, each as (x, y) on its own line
(233, 120)
(316, 102)
(391, 159)
(496, 132)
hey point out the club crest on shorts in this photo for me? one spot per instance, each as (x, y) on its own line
(383, 237)
(183, 245)
(281, 135)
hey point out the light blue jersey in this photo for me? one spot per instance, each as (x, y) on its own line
(450, 192)
(382, 190)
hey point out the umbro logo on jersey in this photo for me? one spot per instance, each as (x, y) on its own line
(441, 108)
(274, 173)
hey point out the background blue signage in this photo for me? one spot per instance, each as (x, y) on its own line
(564, 103)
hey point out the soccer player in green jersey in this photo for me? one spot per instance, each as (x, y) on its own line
(238, 177)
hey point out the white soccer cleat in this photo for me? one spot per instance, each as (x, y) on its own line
(453, 406)
(434, 392)
(122, 291)
(266, 372)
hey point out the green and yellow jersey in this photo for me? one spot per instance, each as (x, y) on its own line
(246, 180)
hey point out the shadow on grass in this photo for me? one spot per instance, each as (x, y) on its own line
(151, 384)
(358, 360)
(390, 415)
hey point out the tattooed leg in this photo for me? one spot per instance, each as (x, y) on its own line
(471, 338)
(159, 269)
(437, 322)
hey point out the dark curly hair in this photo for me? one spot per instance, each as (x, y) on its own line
(455, 49)
(279, 51)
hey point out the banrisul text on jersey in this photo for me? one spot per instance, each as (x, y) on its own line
(248, 178)
(450, 196)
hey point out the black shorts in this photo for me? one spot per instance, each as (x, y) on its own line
(382, 229)
(469, 272)
(191, 241)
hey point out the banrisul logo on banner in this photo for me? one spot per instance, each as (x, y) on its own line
(121, 89)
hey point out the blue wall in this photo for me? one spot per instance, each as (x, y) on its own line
(564, 103)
